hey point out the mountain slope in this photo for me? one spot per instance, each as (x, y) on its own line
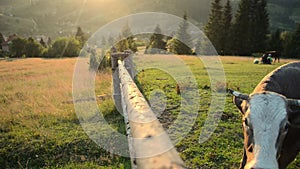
(61, 17)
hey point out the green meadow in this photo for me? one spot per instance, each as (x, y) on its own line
(39, 127)
(225, 146)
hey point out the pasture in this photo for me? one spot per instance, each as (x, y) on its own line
(224, 147)
(39, 127)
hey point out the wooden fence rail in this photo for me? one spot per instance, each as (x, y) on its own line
(149, 145)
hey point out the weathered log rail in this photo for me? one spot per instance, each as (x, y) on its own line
(149, 145)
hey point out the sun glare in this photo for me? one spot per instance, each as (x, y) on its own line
(112, 5)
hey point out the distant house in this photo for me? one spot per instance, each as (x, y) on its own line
(5, 45)
(44, 40)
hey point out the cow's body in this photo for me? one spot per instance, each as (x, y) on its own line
(285, 80)
(282, 84)
(270, 54)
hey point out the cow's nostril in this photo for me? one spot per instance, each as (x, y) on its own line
(250, 149)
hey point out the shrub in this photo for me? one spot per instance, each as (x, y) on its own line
(33, 48)
(64, 47)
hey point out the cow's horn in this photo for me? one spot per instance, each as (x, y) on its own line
(293, 102)
(238, 94)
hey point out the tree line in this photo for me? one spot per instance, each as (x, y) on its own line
(244, 33)
(247, 32)
(30, 47)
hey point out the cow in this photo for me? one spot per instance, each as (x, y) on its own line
(271, 119)
(268, 56)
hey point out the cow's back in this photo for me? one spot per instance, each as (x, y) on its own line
(284, 80)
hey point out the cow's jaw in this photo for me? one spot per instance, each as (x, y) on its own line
(267, 112)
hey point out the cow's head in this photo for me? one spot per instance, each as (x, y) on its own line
(265, 124)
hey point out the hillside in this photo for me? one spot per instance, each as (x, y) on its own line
(61, 17)
(284, 14)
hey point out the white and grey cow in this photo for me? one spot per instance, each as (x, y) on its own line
(271, 119)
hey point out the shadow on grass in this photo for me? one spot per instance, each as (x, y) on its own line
(54, 143)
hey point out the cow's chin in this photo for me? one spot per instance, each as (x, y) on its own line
(250, 160)
(252, 163)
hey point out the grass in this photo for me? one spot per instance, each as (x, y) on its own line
(39, 127)
(224, 148)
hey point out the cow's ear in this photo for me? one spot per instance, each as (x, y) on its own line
(294, 118)
(240, 104)
(240, 100)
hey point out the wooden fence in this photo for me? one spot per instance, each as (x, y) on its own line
(149, 145)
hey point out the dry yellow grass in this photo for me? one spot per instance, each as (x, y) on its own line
(39, 126)
(35, 84)
(40, 87)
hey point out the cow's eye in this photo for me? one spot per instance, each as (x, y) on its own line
(286, 127)
(250, 148)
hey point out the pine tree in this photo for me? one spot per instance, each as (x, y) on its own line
(182, 33)
(204, 47)
(226, 37)
(251, 27)
(259, 26)
(182, 40)
(296, 42)
(105, 60)
(156, 43)
(214, 26)
(1, 40)
(43, 43)
(49, 42)
(94, 60)
(288, 45)
(126, 33)
(80, 36)
(122, 44)
(275, 42)
(241, 29)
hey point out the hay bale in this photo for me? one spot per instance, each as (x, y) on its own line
(256, 61)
